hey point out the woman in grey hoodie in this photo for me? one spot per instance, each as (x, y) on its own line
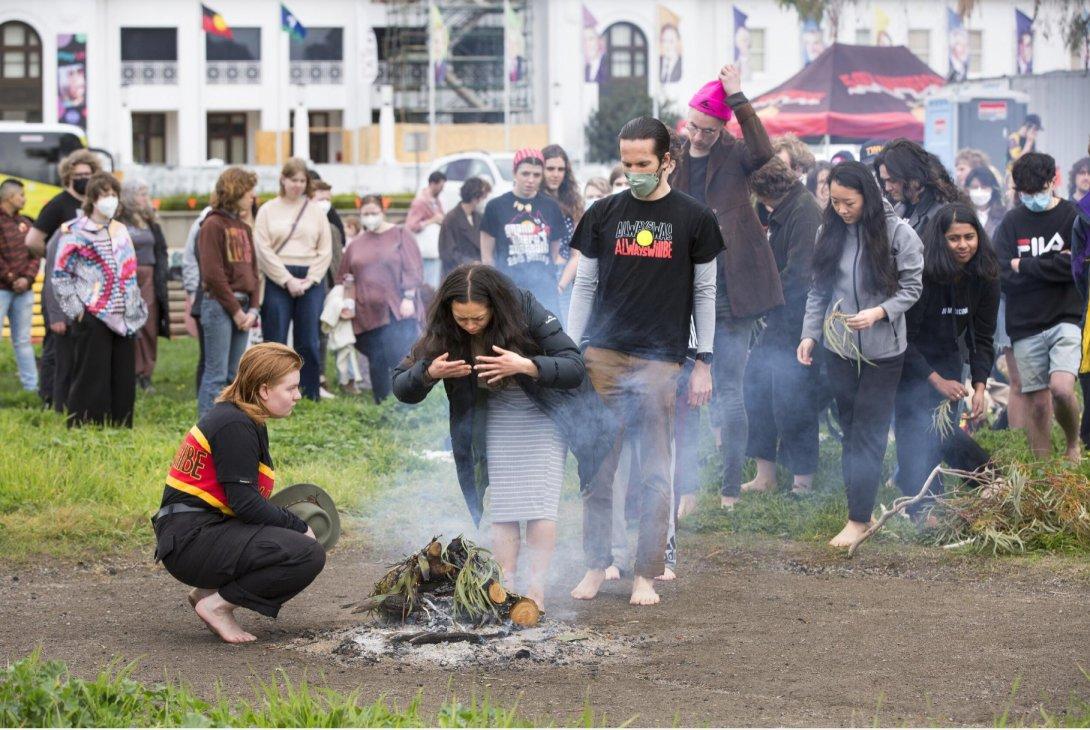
(868, 265)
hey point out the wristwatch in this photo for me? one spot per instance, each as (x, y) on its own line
(704, 357)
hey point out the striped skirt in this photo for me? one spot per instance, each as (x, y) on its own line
(525, 459)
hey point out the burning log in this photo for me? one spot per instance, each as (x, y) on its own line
(465, 574)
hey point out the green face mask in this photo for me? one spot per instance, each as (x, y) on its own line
(643, 184)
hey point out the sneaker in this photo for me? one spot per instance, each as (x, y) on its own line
(325, 394)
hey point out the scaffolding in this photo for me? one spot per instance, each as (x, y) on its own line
(471, 88)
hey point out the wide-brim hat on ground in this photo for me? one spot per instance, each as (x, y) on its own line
(310, 503)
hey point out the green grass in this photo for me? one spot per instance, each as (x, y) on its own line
(66, 492)
(39, 693)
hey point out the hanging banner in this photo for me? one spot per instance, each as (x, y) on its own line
(514, 42)
(439, 38)
(882, 35)
(957, 38)
(813, 41)
(1024, 43)
(594, 49)
(670, 50)
(72, 79)
(741, 43)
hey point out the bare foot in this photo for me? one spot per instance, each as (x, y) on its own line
(643, 592)
(758, 485)
(588, 587)
(667, 574)
(728, 503)
(1073, 454)
(220, 617)
(800, 488)
(851, 532)
(613, 573)
(537, 595)
(195, 596)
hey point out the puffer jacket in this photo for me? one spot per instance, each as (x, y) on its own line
(886, 338)
(562, 391)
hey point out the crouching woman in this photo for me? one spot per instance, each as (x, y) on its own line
(216, 529)
(518, 398)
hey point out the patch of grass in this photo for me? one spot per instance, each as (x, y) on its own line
(66, 492)
(39, 693)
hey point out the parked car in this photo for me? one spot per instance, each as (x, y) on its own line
(495, 167)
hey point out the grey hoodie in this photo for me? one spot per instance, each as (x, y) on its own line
(886, 338)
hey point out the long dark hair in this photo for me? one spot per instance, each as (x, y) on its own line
(567, 195)
(988, 179)
(939, 264)
(908, 162)
(485, 285)
(879, 268)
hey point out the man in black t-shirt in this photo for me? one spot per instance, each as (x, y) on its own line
(647, 270)
(75, 170)
(1044, 309)
(522, 230)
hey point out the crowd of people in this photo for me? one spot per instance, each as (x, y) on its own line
(740, 274)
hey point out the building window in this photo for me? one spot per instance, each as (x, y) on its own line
(626, 52)
(919, 42)
(863, 37)
(245, 46)
(227, 137)
(149, 138)
(149, 44)
(976, 51)
(321, 44)
(757, 50)
(20, 73)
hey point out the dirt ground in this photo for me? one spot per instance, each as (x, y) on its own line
(755, 632)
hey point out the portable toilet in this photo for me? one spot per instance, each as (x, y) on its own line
(972, 116)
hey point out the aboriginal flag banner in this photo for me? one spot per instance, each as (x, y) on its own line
(214, 24)
(851, 93)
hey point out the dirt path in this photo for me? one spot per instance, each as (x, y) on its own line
(754, 632)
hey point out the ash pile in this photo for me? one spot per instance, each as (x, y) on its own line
(447, 607)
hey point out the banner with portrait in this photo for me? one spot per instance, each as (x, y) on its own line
(1023, 61)
(594, 49)
(957, 38)
(72, 79)
(670, 48)
(741, 43)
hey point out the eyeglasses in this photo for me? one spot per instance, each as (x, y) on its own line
(707, 131)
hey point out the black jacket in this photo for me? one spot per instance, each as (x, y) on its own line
(562, 391)
(920, 214)
(162, 273)
(792, 232)
(932, 328)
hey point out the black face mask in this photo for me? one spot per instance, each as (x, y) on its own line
(80, 185)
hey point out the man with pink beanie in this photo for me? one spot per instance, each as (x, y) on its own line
(713, 167)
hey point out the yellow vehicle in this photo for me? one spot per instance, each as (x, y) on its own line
(30, 152)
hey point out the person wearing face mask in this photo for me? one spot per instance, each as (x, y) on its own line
(152, 270)
(951, 325)
(382, 272)
(53, 369)
(460, 234)
(294, 248)
(1044, 308)
(94, 281)
(522, 231)
(646, 272)
(713, 167)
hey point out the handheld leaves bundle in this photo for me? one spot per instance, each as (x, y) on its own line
(840, 339)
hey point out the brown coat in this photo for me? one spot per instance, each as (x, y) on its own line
(747, 265)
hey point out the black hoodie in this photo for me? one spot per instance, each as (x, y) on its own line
(1041, 294)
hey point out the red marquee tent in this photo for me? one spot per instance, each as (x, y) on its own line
(851, 93)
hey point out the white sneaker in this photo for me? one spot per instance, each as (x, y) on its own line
(325, 394)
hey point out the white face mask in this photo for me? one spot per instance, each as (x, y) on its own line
(107, 206)
(371, 222)
(980, 196)
(324, 205)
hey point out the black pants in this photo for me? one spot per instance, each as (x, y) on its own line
(254, 566)
(385, 347)
(200, 353)
(63, 351)
(103, 386)
(47, 365)
(864, 397)
(919, 448)
(781, 407)
(1084, 428)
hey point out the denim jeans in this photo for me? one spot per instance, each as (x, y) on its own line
(18, 310)
(728, 404)
(224, 344)
(281, 310)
